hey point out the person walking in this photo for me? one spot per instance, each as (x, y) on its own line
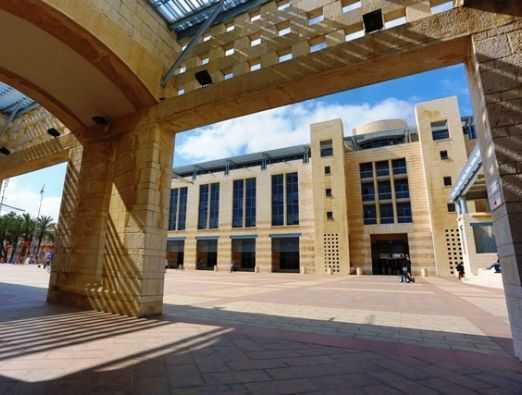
(460, 270)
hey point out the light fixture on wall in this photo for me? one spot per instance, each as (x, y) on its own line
(203, 77)
(5, 151)
(373, 21)
(101, 120)
(53, 132)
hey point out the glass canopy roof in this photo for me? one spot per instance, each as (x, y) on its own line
(183, 14)
(12, 101)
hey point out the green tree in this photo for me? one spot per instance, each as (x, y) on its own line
(45, 229)
(28, 228)
(14, 232)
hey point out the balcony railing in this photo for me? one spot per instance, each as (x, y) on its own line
(369, 197)
(404, 219)
(366, 173)
(385, 195)
(383, 172)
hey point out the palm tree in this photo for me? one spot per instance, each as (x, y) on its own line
(28, 227)
(14, 231)
(45, 228)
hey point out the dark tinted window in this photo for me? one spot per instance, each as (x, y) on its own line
(278, 200)
(203, 206)
(292, 199)
(250, 202)
(237, 203)
(213, 221)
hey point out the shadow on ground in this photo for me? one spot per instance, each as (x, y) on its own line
(44, 350)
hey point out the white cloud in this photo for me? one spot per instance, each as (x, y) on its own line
(281, 127)
(22, 197)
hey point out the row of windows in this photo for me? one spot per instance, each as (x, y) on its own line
(382, 168)
(386, 213)
(285, 254)
(285, 203)
(384, 190)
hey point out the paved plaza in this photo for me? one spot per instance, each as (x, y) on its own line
(253, 333)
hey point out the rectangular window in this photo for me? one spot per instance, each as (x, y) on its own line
(350, 5)
(317, 46)
(285, 57)
(370, 214)
(384, 188)
(237, 204)
(213, 221)
(354, 35)
(404, 213)
(326, 148)
(278, 200)
(447, 181)
(395, 22)
(250, 202)
(329, 215)
(440, 130)
(327, 170)
(451, 207)
(366, 170)
(244, 254)
(399, 166)
(484, 236)
(386, 213)
(292, 199)
(255, 66)
(285, 254)
(315, 17)
(328, 192)
(283, 5)
(173, 212)
(175, 253)
(182, 208)
(206, 254)
(229, 51)
(368, 191)
(402, 190)
(203, 206)
(444, 155)
(383, 168)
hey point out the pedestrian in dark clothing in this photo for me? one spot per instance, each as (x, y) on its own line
(460, 270)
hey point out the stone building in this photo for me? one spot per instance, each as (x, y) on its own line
(339, 205)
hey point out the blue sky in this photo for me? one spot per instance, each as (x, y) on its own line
(281, 127)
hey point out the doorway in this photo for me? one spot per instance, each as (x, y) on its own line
(243, 255)
(389, 252)
(206, 255)
(285, 254)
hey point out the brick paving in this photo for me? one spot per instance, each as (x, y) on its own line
(279, 334)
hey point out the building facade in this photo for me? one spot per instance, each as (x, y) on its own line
(340, 205)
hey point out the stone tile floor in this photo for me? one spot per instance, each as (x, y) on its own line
(246, 333)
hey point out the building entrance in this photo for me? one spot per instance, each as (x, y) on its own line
(175, 253)
(244, 255)
(285, 254)
(206, 254)
(389, 252)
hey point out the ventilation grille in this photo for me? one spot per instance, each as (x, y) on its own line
(331, 252)
(454, 247)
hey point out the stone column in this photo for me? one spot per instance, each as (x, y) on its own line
(224, 262)
(496, 79)
(113, 239)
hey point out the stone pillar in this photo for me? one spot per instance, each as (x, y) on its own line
(112, 240)
(496, 79)
(189, 259)
(224, 262)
